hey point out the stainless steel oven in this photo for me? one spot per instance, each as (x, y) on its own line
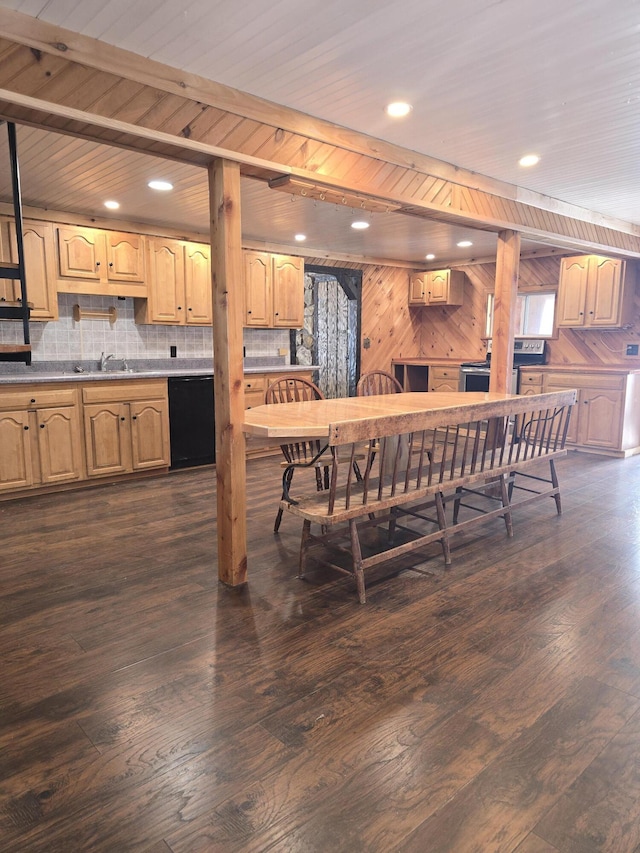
(474, 375)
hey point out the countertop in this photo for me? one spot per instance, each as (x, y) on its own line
(39, 376)
(582, 368)
(435, 362)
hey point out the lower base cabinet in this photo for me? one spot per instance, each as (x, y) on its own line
(255, 386)
(126, 427)
(57, 434)
(422, 375)
(443, 378)
(606, 417)
(40, 441)
(63, 433)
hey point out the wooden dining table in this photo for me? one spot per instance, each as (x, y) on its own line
(288, 422)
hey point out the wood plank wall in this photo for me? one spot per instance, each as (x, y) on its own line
(396, 331)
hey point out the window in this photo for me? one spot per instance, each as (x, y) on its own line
(534, 317)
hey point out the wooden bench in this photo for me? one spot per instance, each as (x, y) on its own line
(433, 461)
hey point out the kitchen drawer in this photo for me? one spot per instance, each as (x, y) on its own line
(527, 379)
(437, 374)
(610, 381)
(253, 398)
(255, 383)
(113, 392)
(36, 398)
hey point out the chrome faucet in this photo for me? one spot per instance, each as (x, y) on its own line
(104, 359)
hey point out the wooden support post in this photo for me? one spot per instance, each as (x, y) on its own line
(226, 277)
(504, 311)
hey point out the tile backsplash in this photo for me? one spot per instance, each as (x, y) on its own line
(68, 339)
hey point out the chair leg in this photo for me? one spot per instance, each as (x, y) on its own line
(304, 544)
(288, 478)
(356, 556)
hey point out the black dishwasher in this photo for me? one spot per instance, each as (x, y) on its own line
(191, 421)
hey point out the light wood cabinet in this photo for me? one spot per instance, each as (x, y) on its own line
(606, 417)
(165, 295)
(255, 386)
(179, 285)
(594, 292)
(288, 291)
(274, 290)
(421, 375)
(16, 468)
(530, 382)
(443, 378)
(91, 260)
(7, 286)
(39, 259)
(436, 287)
(197, 284)
(40, 441)
(126, 426)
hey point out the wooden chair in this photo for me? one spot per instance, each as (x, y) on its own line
(377, 382)
(302, 454)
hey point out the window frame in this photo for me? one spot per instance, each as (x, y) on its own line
(523, 298)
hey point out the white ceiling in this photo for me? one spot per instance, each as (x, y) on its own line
(489, 80)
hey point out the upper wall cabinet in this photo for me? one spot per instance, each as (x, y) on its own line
(197, 284)
(39, 259)
(91, 260)
(595, 292)
(436, 287)
(274, 290)
(179, 286)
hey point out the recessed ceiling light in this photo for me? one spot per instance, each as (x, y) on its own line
(112, 205)
(360, 225)
(300, 237)
(464, 244)
(164, 186)
(398, 109)
(430, 257)
(529, 160)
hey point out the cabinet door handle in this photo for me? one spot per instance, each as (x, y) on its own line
(123, 419)
(189, 309)
(134, 417)
(42, 426)
(25, 428)
(97, 263)
(110, 263)
(179, 307)
(33, 399)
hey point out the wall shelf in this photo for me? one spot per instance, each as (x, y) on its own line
(109, 314)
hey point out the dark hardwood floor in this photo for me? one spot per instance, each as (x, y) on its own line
(491, 707)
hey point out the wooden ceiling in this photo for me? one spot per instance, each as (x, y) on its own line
(488, 83)
(62, 173)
